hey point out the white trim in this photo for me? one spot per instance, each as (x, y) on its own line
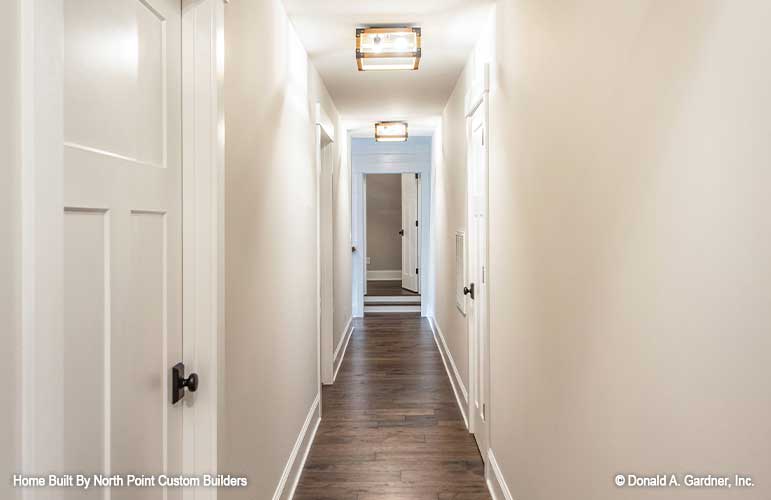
(325, 123)
(384, 275)
(324, 137)
(392, 308)
(41, 135)
(455, 381)
(396, 299)
(342, 345)
(477, 91)
(496, 483)
(109, 154)
(203, 255)
(294, 468)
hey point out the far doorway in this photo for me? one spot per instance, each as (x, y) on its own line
(392, 236)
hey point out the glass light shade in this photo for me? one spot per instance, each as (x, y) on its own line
(384, 49)
(391, 131)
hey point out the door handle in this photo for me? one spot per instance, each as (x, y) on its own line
(179, 383)
(469, 290)
(401, 232)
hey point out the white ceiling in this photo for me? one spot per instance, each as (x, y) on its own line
(450, 28)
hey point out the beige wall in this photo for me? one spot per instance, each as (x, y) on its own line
(384, 220)
(449, 217)
(629, 243)
(270, 378)
(10, 240)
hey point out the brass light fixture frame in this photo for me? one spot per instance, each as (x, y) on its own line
(394, 138)
(402, 29)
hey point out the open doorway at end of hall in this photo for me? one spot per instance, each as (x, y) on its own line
(391, 200)
(392, 232)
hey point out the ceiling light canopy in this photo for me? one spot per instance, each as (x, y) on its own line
(384, 49)
(391, 131)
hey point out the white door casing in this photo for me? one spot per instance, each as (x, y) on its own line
(203, 160)
(325, 211)
(122, 227)
(477, 271)
(411, 236)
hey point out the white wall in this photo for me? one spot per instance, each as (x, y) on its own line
(629, 243)
(10, 240)
(449, 212)
(270, 372)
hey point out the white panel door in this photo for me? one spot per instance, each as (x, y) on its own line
(122, 240)
(410, 238)
(477, 255)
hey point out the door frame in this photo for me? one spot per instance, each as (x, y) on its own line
(325, 136)
(369, 157)
(41, 138)
(477, 101)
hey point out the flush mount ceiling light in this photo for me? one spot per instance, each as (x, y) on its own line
(391, 131)
(384, 49)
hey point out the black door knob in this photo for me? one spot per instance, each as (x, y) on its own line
(190, 382)
(469, 290)
(401, 232)
(179, 383)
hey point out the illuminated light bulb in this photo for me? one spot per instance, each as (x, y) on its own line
(388, 48)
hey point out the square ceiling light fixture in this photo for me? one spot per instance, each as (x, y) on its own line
(391, 131)
(388, 49)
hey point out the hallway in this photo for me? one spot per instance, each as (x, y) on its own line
(434, 250)
(391, 428)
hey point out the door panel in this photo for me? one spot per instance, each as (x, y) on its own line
(410, 238)
(86, 310)
(122, 255)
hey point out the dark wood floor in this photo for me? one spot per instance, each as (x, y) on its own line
(390, 427)
(382, 288)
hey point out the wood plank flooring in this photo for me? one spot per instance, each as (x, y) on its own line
(381, 288)
(391, 428)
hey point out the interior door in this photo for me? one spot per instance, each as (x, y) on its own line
(410, 238)
(122, 240)
(477, 299)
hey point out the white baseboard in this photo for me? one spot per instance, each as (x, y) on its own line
(342, 346)
(388, 275)
(496, 483)
(461, 395)
(294, 467)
